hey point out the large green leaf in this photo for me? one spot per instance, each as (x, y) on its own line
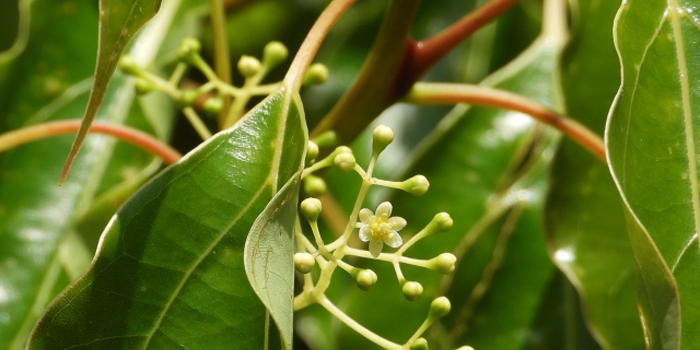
(120, 20)
(585, 217)
(652, 141)
(34, 212)
(169, 269)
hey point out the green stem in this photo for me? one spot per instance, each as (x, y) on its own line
(448, 93)
(197, 123)
(222, 57)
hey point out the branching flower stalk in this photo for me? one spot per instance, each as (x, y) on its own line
(378, 228)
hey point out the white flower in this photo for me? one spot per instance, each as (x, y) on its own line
(379, 228)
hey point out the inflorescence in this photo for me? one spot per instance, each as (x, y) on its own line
(377, 228)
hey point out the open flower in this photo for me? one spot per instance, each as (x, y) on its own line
(379, 228)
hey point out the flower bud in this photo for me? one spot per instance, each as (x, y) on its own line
(382, 136)
(317, 74)
(248, 66)
(304, 262)
(143, 86)
(345, 162)
(311, 209)
(465, 348)
(419, 344)
(412, 290)
(343, 149)
(366, 279)
(327, 139)
(417, 185)
(311, 151)
(444, 263)
(314, 185)
(128, 65)
(274, 53)
(439, 307)
(213, 105)
(187, 97)
(442, 222)
(189, 50)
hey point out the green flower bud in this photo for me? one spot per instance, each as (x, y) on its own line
(412, 290)
(213, 105)
(419, 344)
(343, 149)
(383, 136)
(444, 263)
(187, 97)
(465, 348)
(417, 185)
(366, 279)
(189, 50)
(314, 185)
(128, 65)
(304, 262)
(143, 86)
(311, 151)
(441, 222)
(274, 53)
(311, 209)
(439, 307)
(327, 139)
(317, 74)
(248, 66)
(345, 162)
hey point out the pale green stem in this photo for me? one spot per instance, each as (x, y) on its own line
(424, 326)
(178, 73)
(222, 58)
(238, 106)
(399, 273)
(388, 257)
(197, 123)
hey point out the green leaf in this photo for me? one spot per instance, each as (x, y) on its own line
(585, 218)
(170, 267)
(35, 214)
(652, 144)
(119, 22)
(268, 257)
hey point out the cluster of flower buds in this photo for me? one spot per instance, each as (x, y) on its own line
(377, 228)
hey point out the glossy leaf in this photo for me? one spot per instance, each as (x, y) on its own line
(34, 212)
(652, 142)
(120, 20)
(585, 218)
(169, 269)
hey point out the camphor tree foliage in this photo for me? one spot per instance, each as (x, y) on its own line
(349, 174)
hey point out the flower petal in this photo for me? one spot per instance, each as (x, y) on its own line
(366, 215)
(364, 230)
(384, 209)
(375, 247)
(393, 239)
(397, 223)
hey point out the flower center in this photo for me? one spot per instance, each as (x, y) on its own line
(380, 227)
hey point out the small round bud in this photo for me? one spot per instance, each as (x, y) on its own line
(417, 185)
(128, 65)
(442, 222)
(343, 149)
(465, 348)
(304, 262)
(444, 263)
(187, 97)
(248, 66)
(274, 53)
(383, 136)
(189, 49)
(317, 74)
(419, 344)
(345, 162)
(439, 307)
(366, 279)
(412, 290)
(327, 139)
(213, 105)
(143, 86)
(314, 185)
(311, 208)
(311, 151)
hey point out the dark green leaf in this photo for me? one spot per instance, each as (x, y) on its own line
(585, 218)
(170, 269)
(652, 141)
(119, 22)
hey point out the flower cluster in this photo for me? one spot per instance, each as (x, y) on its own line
(376, 228)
